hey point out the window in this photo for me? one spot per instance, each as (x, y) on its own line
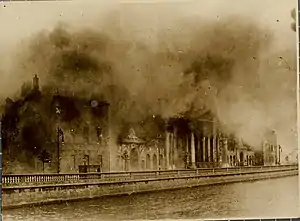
(86, 133)
(99, 134)
(86, 160)
(143, 165)
(74, 162)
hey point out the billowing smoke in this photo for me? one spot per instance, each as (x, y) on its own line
(224, 66)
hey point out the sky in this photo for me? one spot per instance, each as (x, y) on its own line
(22, 20)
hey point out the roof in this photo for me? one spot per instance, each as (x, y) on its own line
(132, 138)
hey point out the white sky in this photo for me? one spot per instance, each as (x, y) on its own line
(22, 19)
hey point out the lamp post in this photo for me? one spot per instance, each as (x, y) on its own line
(58, 152)
(59, 133)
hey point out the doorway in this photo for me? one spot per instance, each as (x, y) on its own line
(241, 159)
(148, 166)
(134, 159)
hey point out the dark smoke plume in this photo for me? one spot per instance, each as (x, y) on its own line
(223, 66)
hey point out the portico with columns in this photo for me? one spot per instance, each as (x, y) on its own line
(185, 145)
(195, 145)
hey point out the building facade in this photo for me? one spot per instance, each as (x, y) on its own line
(270, 149)
(182, 146)
(79, 139)
(134, 154)
(84, 147)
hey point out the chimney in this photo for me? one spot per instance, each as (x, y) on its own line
(36, 85)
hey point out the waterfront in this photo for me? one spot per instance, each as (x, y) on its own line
(268, 198)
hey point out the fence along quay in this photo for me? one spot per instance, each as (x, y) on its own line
(29, 189)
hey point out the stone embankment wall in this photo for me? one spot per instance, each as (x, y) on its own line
(16, 196)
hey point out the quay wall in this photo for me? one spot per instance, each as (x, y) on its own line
(18, 196)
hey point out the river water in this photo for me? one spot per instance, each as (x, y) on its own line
(260, 199)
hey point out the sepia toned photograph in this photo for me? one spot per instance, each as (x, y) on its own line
(149, 110)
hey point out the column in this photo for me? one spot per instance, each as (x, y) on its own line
(214, 148)
(208, 149)
(225, 147)
(187, 151)
(167, 149)
(200, 151)
(220, 147)
(187, 144)
(193, 151)
(217, 148)
(171, 150)
(204, 148)
(214, 141)
(175, 149)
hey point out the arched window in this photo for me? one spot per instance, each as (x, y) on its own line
(148, 167)
(154, 162)
(86, 133)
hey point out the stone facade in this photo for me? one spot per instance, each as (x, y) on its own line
(198, 145)
(183, 146)
(135, 155)
(239, 154)
(78, 148)
(270, 149)
(86, 146)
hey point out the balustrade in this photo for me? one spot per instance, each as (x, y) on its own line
(36, 179)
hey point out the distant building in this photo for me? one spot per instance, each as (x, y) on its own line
(239, 153)
(270, 148)
(268, 154)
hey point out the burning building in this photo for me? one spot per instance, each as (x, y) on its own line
(73, 131)
(78, 137)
